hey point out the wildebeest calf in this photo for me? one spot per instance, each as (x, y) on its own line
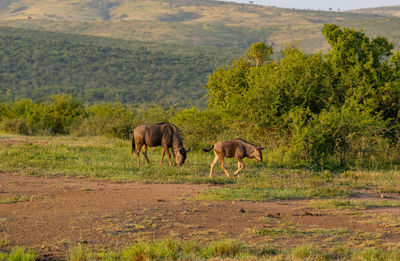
(237, 149)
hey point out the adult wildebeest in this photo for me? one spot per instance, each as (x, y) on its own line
(236, 148)
(162, 134)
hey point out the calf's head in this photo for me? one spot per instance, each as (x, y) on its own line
(257, 154)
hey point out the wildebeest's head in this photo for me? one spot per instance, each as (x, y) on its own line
(180, 156)
(257, 154)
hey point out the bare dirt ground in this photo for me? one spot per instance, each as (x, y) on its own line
(51, 214)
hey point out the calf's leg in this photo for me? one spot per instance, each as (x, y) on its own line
(213, 164)
(223, 167)
(240, 167)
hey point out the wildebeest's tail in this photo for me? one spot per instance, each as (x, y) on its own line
(207, 150)
(133, 141)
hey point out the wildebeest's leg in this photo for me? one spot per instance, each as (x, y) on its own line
(145, 153)
(169, 156)
(240, 166)
(212, 164)
(162, 156)
(223, 166)
(139, 147)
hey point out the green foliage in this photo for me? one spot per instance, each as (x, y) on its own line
(112, 120)
(259, 53)
(335, 110)
(53, 117)
(321, 107)
(334, 133)
(65, 115)
(200, 128)
(36, 65)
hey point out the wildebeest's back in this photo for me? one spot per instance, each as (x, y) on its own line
(148, 134)
(154, 134)
(230, 149)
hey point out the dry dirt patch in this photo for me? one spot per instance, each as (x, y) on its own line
(55, 213)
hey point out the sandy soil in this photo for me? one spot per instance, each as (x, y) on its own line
(54, 214)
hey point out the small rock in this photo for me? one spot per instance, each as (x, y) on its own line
(242, 210)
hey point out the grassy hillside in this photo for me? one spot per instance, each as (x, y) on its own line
(148, 51)
(38, 64)
(382, 11)
(197, 22)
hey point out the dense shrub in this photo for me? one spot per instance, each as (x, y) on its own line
(65, 115)
(53, 117)
(200, 128)
(113, 120)
(320, 107)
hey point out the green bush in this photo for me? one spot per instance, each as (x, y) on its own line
(320, 109)
(334, 134)
(200, 128)
(112, 120)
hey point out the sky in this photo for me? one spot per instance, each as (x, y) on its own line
(343, 5)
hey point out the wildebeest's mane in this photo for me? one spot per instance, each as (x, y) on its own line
(180, 133)
(247, 142)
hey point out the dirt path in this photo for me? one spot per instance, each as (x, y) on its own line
(52, 214)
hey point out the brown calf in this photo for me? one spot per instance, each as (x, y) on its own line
(237, 149)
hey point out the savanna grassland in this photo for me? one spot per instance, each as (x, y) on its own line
(84, 198)
(328, 188)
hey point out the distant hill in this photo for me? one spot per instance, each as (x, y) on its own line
(393, 11)
(191, 22)
(149, 51)
(38, 64)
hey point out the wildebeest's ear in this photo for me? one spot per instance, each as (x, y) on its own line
(261, 148)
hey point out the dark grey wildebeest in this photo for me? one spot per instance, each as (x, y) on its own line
(162, 134)
(237, 149)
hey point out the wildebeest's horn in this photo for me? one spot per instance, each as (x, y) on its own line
(261, 148)
(188, 150)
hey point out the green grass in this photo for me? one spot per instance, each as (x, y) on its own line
(225, 249)
(354, 204)
(18, 254)
(288, 230)
(167, 249)
(16, 199)
(170, 249)
(111, 159)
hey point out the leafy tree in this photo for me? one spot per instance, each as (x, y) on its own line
(315, 102)
(259, 53)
